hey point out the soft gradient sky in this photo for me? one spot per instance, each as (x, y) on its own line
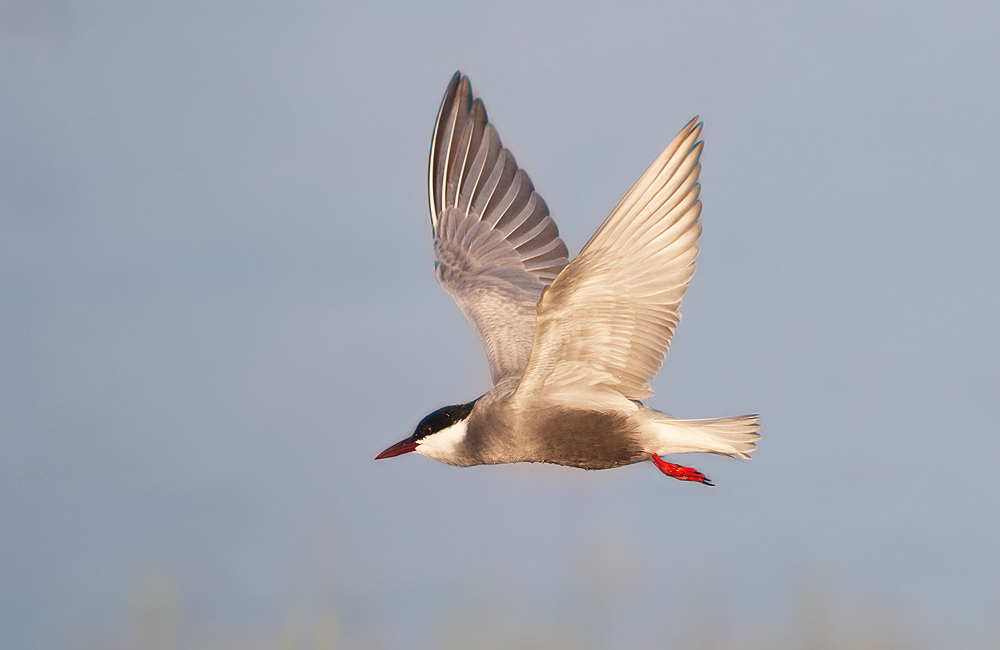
(217, 305)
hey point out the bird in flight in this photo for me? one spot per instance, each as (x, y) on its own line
(572, 346)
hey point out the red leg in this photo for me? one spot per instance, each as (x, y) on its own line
(680, 472)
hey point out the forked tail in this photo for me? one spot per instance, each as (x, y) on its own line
(734, 436)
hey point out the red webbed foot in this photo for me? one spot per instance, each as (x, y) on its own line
(680, 472)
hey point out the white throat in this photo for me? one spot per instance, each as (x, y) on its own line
(442, 444)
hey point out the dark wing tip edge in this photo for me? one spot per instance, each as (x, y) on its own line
(451, 95)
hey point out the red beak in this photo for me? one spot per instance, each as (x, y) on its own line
(401, 447)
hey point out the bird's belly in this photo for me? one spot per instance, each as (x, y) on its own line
(587, 439)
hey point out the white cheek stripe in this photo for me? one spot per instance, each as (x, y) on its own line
(443, 443)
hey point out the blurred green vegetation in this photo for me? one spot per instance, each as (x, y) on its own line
(158, 619)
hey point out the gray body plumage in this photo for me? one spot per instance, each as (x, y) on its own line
(572, 347)
(557, 433)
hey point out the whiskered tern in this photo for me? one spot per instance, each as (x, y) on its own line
(572, 346)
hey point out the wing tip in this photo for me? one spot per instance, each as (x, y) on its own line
(693, 130)
(458, 88)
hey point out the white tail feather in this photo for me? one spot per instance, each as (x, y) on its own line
(734, 436)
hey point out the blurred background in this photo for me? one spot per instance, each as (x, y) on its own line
(217, 305)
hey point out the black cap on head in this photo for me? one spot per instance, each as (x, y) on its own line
(442, 419)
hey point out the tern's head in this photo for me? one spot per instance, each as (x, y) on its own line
(437, 436)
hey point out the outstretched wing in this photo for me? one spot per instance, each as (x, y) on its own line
(607, 320)
(495, 244)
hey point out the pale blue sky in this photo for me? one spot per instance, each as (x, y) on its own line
(217, 305)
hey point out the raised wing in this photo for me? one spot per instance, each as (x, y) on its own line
(495, 244)
(607, 320)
